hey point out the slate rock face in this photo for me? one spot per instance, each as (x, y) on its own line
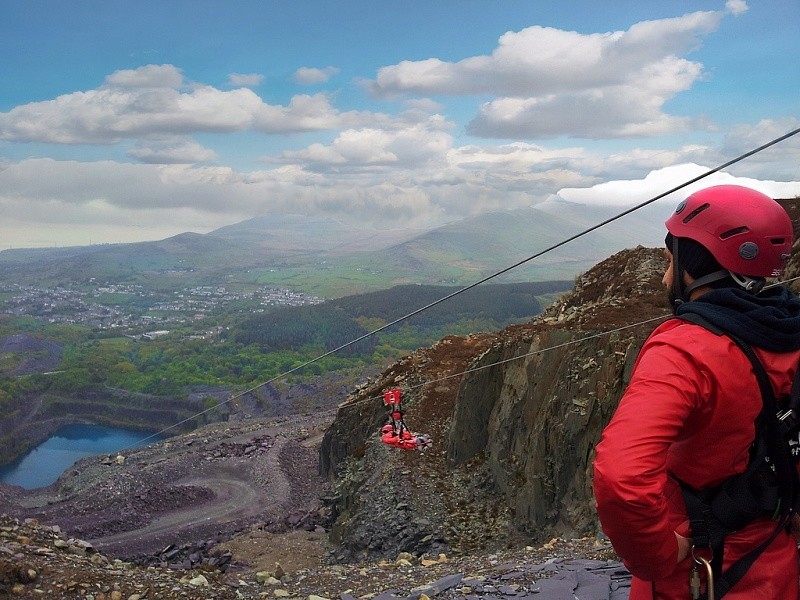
(535, 422)
(514, 417)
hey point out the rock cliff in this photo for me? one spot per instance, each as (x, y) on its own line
(534, 405)
(514, 417)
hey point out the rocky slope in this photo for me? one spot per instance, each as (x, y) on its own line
(45, 563)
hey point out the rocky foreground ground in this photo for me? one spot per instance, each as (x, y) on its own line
(38, 561)
(235, 510)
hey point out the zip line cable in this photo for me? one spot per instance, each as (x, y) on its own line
(513, 358)
(784, 282)
(494, 364)
(548, 349)
(446, 377)
(413, 313)
(543, 350)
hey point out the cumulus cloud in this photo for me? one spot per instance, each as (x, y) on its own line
(543, 60)
(171, 151)
(736, 7)
(548, 82)
(245, 79)
(312, 76)
(155, 100)
(149, 76)
(304, 113)
(352, 149)
(406, 175)
(627, 193)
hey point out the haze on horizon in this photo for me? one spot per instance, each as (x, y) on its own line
(126, 122)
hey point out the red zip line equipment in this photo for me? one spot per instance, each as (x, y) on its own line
(395, 432)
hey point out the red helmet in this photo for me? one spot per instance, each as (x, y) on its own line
(747, 232)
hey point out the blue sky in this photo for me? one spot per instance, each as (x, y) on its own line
(136, 120)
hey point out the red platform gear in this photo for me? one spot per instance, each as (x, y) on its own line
(395, 433)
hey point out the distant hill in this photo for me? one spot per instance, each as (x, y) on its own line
(328, 258)
(482, 245)
(288, 234)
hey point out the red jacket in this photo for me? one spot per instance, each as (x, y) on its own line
(689, 410)
(405, 440)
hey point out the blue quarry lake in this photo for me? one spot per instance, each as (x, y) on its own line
(44, 464)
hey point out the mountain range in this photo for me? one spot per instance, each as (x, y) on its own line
(327, 257)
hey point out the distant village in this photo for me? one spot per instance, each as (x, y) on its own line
(135, 311)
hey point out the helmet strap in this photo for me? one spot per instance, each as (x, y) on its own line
(751, 284)
(678, 297)
(705, 280)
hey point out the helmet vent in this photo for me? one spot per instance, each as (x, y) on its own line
(695, 212)
(732, 232)
(777, 241)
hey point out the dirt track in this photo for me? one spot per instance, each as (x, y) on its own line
(210, 484)
(233, 500)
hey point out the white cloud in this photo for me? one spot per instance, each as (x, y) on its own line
(543, 60)
(408, 147)
(156, 101)
(312, 76)
(736, 7)
(171, 151)
(303, 113)
(627, 193)
(245, 79)
(610, 112)
(148, 76)
(548, 82)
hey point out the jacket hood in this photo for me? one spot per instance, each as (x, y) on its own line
(769, 320)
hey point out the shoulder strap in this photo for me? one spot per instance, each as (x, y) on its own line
(790, 416)
(776, 440)
(769, 409)
(776, 446)
(702, 321)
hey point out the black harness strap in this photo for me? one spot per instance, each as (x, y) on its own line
(785, 474)
(715, 513)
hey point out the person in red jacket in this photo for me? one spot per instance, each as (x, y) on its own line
(687, 415)
(402, 438)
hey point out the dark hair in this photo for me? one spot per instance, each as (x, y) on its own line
(696, 260)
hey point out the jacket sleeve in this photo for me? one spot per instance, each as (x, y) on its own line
(630, 475)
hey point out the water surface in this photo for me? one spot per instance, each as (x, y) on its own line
(44, 464)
